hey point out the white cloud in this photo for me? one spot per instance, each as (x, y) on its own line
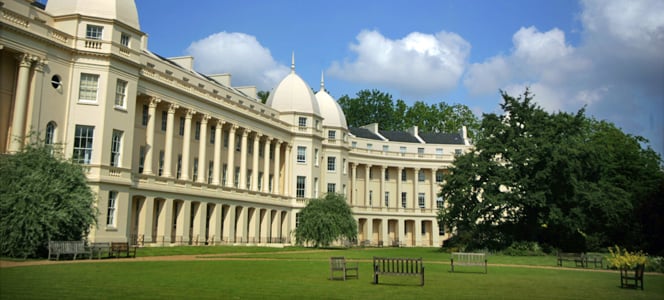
(239, 54)
(417, 64)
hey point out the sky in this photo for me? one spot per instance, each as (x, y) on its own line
(604, 55)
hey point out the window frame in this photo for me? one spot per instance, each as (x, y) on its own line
(300, 186)
(116, 148)
(111, 209)
(121, 93)
(301, 154)
(83, 144)
(88, 88)
(94, 32)
(331, 163)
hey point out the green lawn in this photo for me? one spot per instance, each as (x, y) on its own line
(292, 274)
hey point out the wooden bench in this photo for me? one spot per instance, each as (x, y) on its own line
(632, 278)
(469, 259)
(118, 248)
(398, 267)
(595, 260)
(339, 264)
(579, 259)
(100, 248)
(55, 248)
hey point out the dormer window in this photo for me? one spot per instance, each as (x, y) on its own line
(94, 32)
(124, 39)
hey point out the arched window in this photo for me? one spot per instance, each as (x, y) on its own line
(49, 139)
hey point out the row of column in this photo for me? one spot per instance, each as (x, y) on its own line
(176, 221)
(216, 172)
(21, 103)
(406, 232)
(433, 187)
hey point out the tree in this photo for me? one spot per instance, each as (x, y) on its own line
(42, 198)
(263, 96)
(369, 107)
(325, 220)
(560, 179)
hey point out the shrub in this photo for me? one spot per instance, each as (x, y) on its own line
(621, 258)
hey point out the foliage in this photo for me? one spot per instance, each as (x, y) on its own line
(623, 259)
(377, 107)
(263, 96)
(42, 198)
(524, 248)
(325, 220)
(563, 180)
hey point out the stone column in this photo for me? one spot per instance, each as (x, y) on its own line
(367, 171)
(399, 190)
(149, 136)
(277, 167)
(215, 224)
(353, 184)
(381, 197)
(254, 180)
(186, 144)
(217, 152)
(36, 88)
(20, 103)
(202, 147)
(168, 148)
(184, 222)
(434, 190)
(166, 221)
(266, 164)
(230, 171)
(416, 180)
(229, 224)
(288, 187)
(200, 219)
(146, 218)
(243, 159)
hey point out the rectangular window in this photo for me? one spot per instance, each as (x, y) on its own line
(387, 174)
(225, 139)
(441, 228)
(331, 187)
(197, 132)
(439, 152)
(316, 157)
(269, 182)
(331, 164)
(354, 144)
(236, 178)
(301, 185)
(301, 154)
(315, 187)
(420, 176)
(369, 146)
(386, 148)
(145, 115)
(302, 122)
(457, 152)
(238, 146)
(248, 179)
(370, 173)
(404, 198)
(164, 120)
(178, 171)
(120, 93)
(261, 150)
(110, 213)
(88, 87)
(404, 175)
(210, 171)
(116, 147)
(161, 163)
(83, 144)
(420, 200)
(423, 228)
(402, 150)
(344, 165)
(420, 152)
(224, 170)
(439, 176)
(370, 198)
(250, 146)
(194, 173)
(124, 39)
(94, 32)
(260, 181)
(439, 202)
(141, 159)
(387, 199)
(332, 134)
(213, 132)
(181, 128)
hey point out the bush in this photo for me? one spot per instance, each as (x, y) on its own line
(621, 258)
(524, 248)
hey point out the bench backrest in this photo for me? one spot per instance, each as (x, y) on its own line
(570, 255)
(469, 257)
(66, 247)
(117, 246)
(337, 263)
(398, 265)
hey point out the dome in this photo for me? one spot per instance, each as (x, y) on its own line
(292, 94)
(121, 10)
(333, 115)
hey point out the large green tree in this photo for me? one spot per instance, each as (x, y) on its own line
(42, 198)
(325, 220)
(561, 179)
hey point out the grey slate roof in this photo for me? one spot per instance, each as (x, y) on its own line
(399, 136)
(442, 138)
(363, 133)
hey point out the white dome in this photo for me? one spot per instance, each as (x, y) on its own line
(333, 115)
(293, 95)
(122, 10)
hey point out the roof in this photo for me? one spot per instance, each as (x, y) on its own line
(442, 138)
(122, 10)
(364, 133)
(399, 136)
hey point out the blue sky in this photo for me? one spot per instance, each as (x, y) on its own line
(605, 55)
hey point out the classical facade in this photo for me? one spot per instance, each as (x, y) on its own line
(180, 157)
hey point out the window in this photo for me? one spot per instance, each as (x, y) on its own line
(83, 144)
(316, 157)
(420, 152)
(141, 159)
(120, 93)
(439, 152)
(370, 198)
(317, 124)
(194, 173)
(301, 154)
(404, 175)
(387, 199)
(260, 181)
(223, 174)
(343, 189)
(269, 182)
(402, 149)
(250, 146)
(441, 228)
(420, 199)
(110, 213)
(49, 137)
(404, 197)
(439, 202)
(236, 178)
(301, 185)
(315, 187)
(331, 163)
(302, 122)
(94, 32)
(261, 150)
(197, 132)
(145, 115)
(178, 171)
(439, 176)
(225, 139)
(457, 152)
(423, 228)
(210, 171)
(213, 132)
(386, 148)
(161, 163)
(164, 120)
(181, 128)
(354, 144)
(387, 174)
(124, 39)
(248, 179)
(420, 176)
(238, 146)
(331, 187)
(116, 147)
(332, 134)
(88, 88)
(369, 146)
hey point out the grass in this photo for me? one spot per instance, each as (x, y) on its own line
(298, 273)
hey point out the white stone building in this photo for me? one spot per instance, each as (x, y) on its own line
(180, 157)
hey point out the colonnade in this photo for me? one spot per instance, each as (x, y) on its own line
(24, 84)
(389, 231)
